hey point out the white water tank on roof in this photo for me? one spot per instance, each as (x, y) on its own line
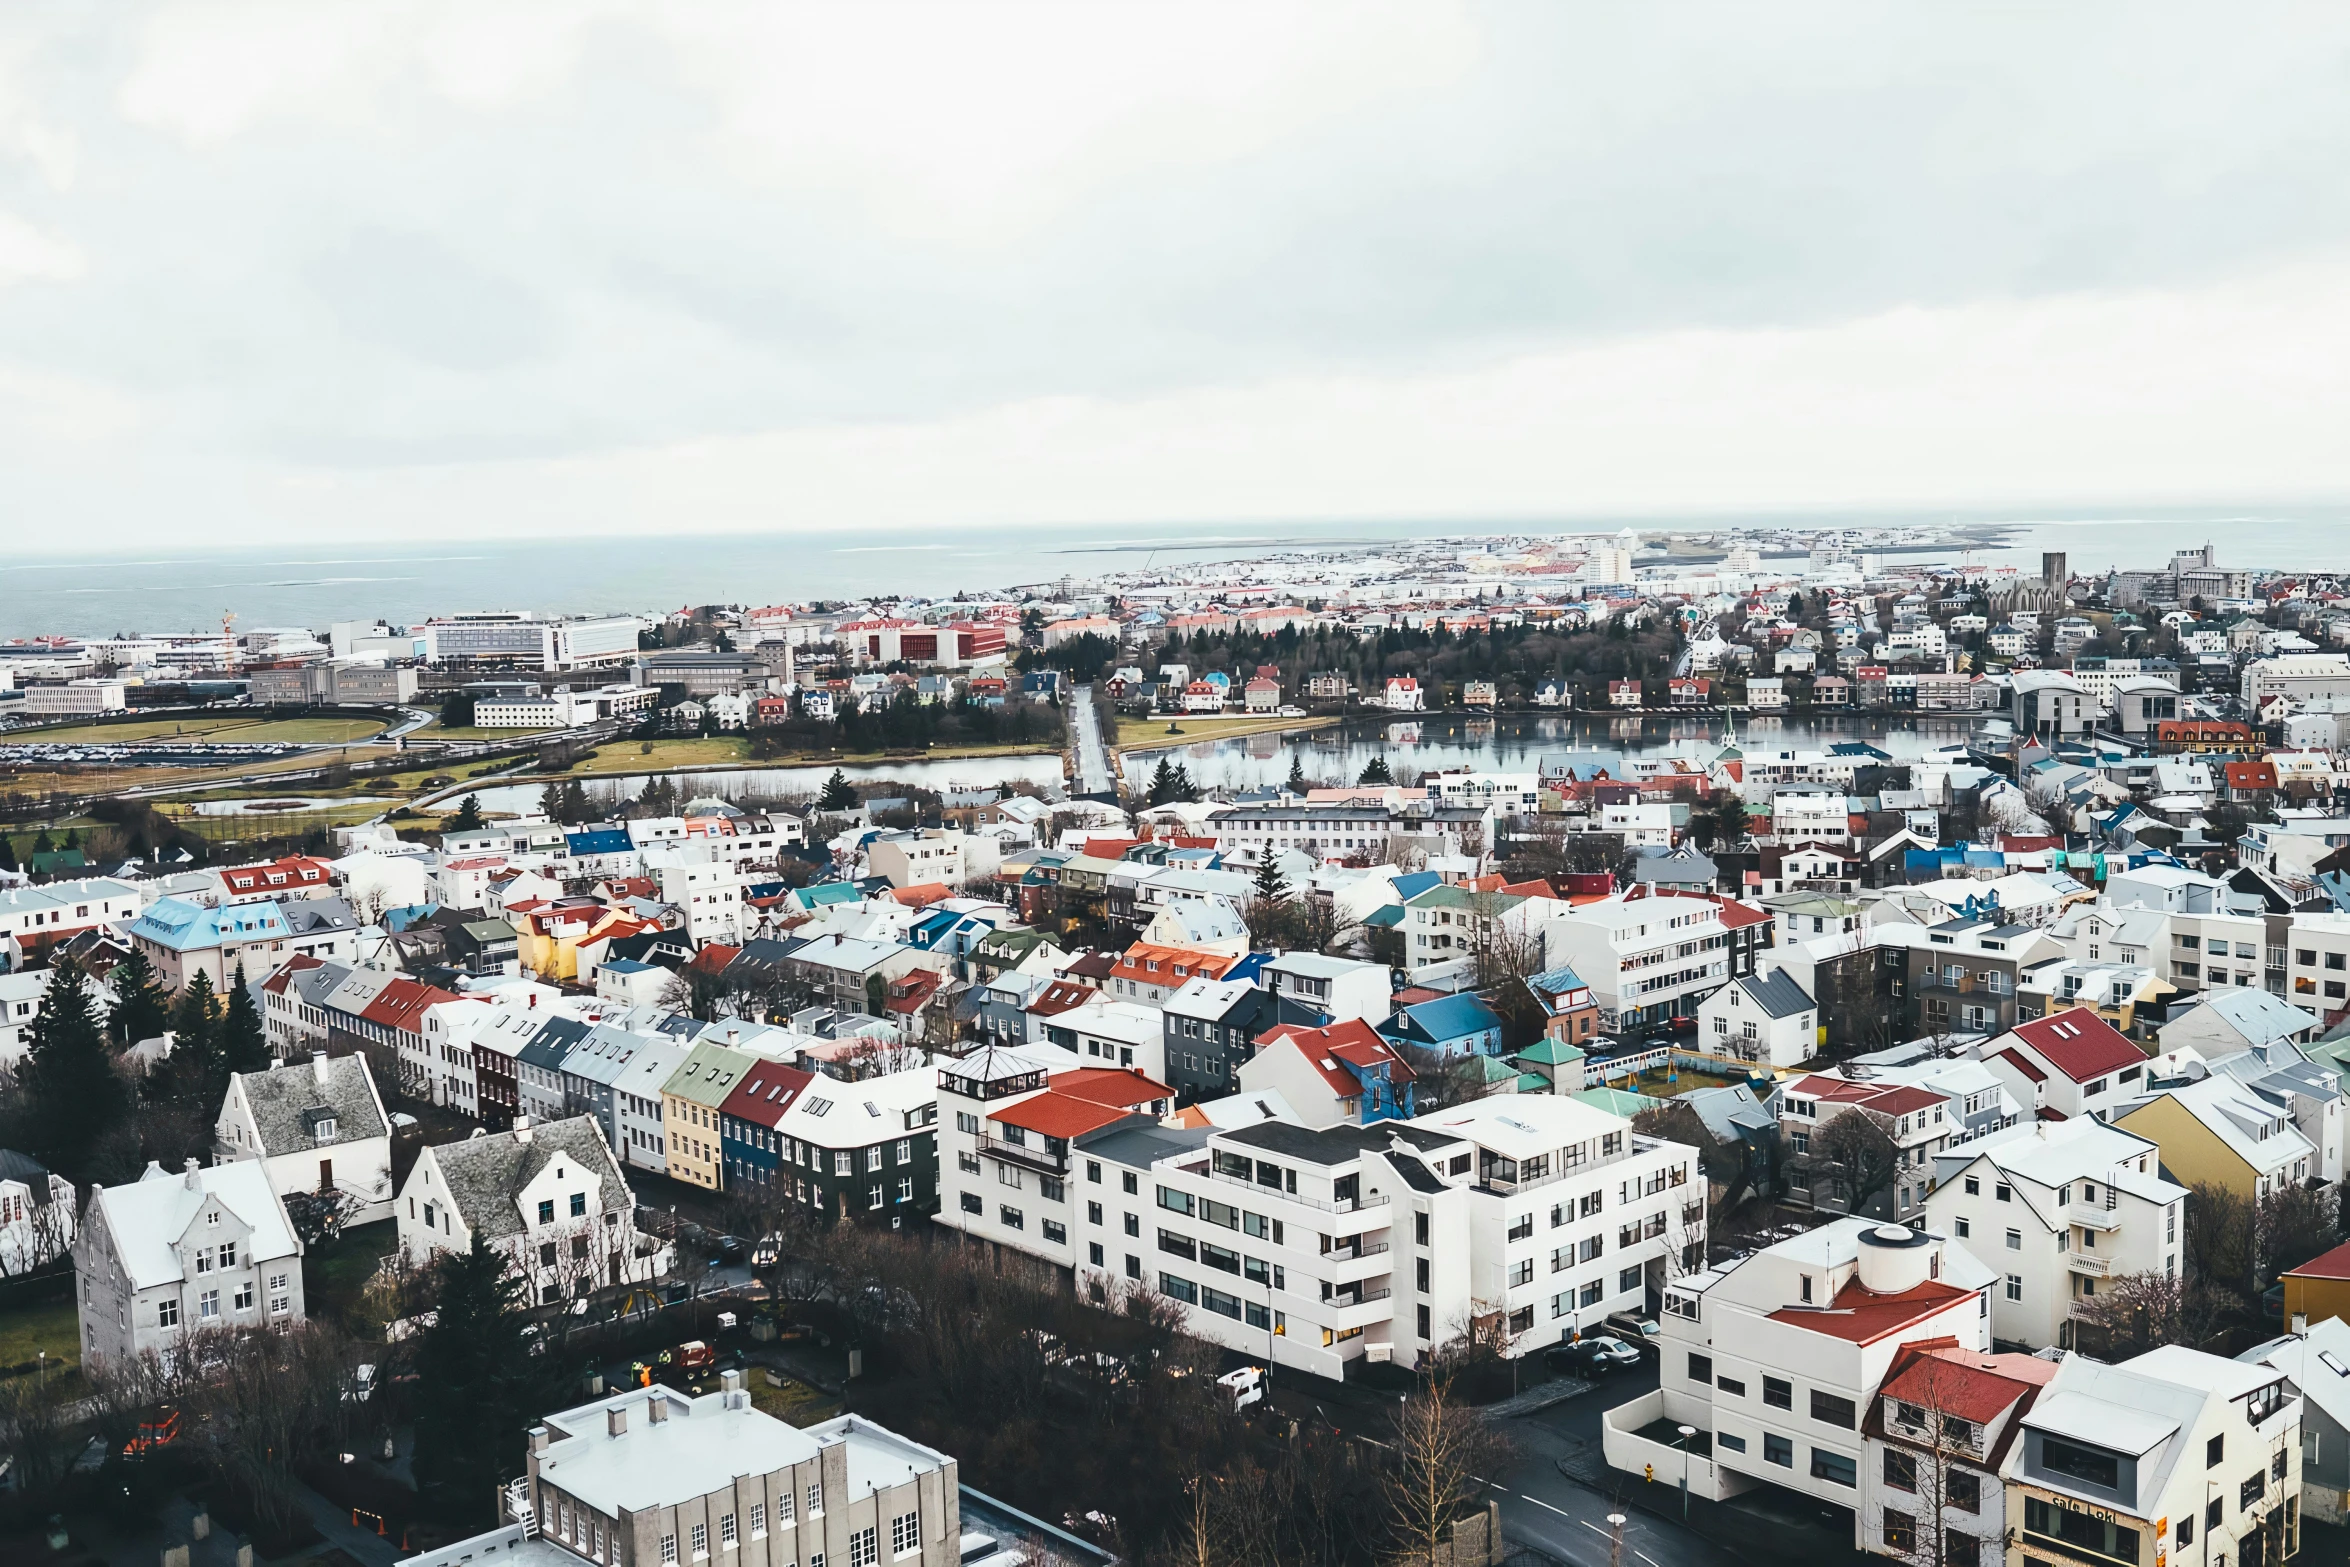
(1894, 1258)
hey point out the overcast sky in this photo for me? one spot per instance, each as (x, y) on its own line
(299, 271)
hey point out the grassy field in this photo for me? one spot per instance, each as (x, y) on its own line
(50, 1324)
(1150, 734)
(243, 728)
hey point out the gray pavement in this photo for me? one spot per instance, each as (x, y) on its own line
(1093, 758)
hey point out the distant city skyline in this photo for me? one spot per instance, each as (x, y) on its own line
(277, 273)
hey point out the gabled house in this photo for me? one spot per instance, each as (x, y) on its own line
(170, 1254)
(1448, 1026)
(318, 1128)
(2068, 1063)
(1343, 1074)
(549, 1198)
(36, 1214)
(1570, 1013)
(1765, 1018)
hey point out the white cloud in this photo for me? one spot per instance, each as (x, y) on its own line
(27, 254)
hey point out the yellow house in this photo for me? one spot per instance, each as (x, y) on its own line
(2318, 1289)
(689, 1114)
(2219, 1132)
(547, 938)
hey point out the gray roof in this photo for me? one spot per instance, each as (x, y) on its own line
(1334, 1145)
(1776, 993)
(1676, 866)
(1139, 1143)
(15, 1166)
(314, 916)
(288, 1101)
(486, 1174)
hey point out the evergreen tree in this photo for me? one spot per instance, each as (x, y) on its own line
(838, 795)
(140, 1010)
(195, 1040)
(73, 1096)
(1163, 783)
(42, 844)
(478, 1388)
(1298, 782)
(1272, 886)
(243, 1047)
(1375, 772)
(7, 853)
(468, 818)
(73, 838)
(551, 801)
(575, 804)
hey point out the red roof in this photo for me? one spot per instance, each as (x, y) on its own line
(2023, 1064)
(276, 983)
(1110, 848)
(1061, 996)
(2251, 775)
(2333, 1264)
(2079, 1043)
(766, 1091)
(714, 957)
(295, 870)
(1110, 1085)
(1354, 1041)
(1861, 1317)
(923, 895)
(1149, 964)
(906, 995)
(1058, 1115)
(398, 1004)
(1965, 1383)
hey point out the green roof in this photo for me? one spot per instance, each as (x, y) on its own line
(1549, 1052)
(1447, 896)
(708, 1074)
(1533, 1083)
(1618, 1101)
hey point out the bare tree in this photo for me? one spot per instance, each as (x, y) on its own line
(1857, 1156)
(262, 1400)
(2136, 1312)
(1442, 1453)
(2296, 1223)
(1931, 1441)
(2222, 1233)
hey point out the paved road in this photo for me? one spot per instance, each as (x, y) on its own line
(1093, 758)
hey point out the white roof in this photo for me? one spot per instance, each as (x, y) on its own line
(835, 1114)
(147, 1217)
(1244, 1109)
(1518, 1126)
(2318, 1361)
(1127, 1022)
(2238, 1116)
(700, 1446)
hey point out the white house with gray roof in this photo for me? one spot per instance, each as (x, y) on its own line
(317, 1127)
(170, 1253)
(550, 1197)
(1766, 1018)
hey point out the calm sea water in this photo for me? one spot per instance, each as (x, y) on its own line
(93, 594)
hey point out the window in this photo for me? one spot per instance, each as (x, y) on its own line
(1963, 1490)
(2250, 1491)
(864, 1546)
(2215, 1450)
(1701, 1368)
(1055, 1232)
(668, 1548)
(1834, 1467)
(1901, 1470)
(547, 1211)
(905, 1534)
(1178, 1289)
(228, 1255)
(244, 1297)
(1901, 1530)
(844, 1163)
(1521, 1272)
(1729, 1443)
(2076, 1462)
(1013, 1218)
(1731, 1386)
(2015, 1286)
(759, 1517)
(1965, 1229)
(700, 1536)
(208, 1304)
(726, 1535)
(1830, 1410)
(167, 1313)
(2004, 1192)
(1628, 1279)
(815, 1502)
(1974, 1186)
(1178, 1245)
(971, 1203)
(2015, 1240)
(1779, 1394)
(1778, 1450)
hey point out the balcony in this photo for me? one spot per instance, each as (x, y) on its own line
(2087, 1262)
(1040, 1156)
(2092, 1216)
(1275, 1193)
(1348, 1268)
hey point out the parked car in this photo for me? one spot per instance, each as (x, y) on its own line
(1247, 1385)
(1593, 1356)
(729, 1249)
(769, 1252)
(1637, 1329)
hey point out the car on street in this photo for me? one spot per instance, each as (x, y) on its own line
(1593, 1356)
(769, 1252)
(1636, 1328)
(727, 1250)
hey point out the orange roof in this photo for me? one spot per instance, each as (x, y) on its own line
(1058, 1115)
(1110, 848)
(714, 957)
(1973, 1386)
(1109, 1085)
(1155, 965)
(1861, 1317)
(923, 895)
(1354, 1042)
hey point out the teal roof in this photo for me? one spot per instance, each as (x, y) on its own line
(1549, 1052)
(1533, 1083)
(1617, 1101)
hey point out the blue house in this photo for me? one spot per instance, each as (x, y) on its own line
(1449, 1026)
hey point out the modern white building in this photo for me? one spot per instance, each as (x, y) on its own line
(1774, 1358)
(1645, 959)
(2058, 1210)
(1342, 988)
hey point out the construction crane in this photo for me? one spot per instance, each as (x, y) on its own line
(228, 637)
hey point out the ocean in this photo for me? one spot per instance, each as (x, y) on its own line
(93, 594)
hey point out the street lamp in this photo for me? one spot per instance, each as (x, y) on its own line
(1686, 1433)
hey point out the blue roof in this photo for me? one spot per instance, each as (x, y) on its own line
(623, 966)
(1386, 915)
(183, 926)
(600, 840)
(1449, 1017)
(824, 894)
(1409, 887)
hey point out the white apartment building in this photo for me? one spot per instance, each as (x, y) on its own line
(1340, 987)
(1810, 816)
(1774, 1359)
(1642, 824)
(709, 892)
(1532, 1216)
(75, 699)
(2317, 963)
(2057, 1210)
(40, 916)
(1646, 959)
(2176, 1455)
(915, 859)
(1124, 1034)
(1505, 794)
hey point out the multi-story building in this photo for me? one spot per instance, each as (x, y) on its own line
(183, 939)
(517, 639)
(40, 917)
(2176, 1455)
(1937, 1437)
(690, 1102)
(1773, 1358)
(1647, 960)
(2067, 1064)
(650, 1477)
(2223, 1131)
(1524, 1219)
(1963, 973)
(1918, 1120)
(2058, 1210)
(318, 1128)
(864, 1150)
(170, 1254)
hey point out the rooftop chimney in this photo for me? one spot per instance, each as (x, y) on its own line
(730, 1381)
(195, 1181)
(318, 1066)
(538, 1439)
(657, 1407)
(616, 1420)
(522, 1128)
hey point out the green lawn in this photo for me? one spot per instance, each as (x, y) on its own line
(50, 1325)
(240, 727)
(334, 1275)
(1146, 734)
